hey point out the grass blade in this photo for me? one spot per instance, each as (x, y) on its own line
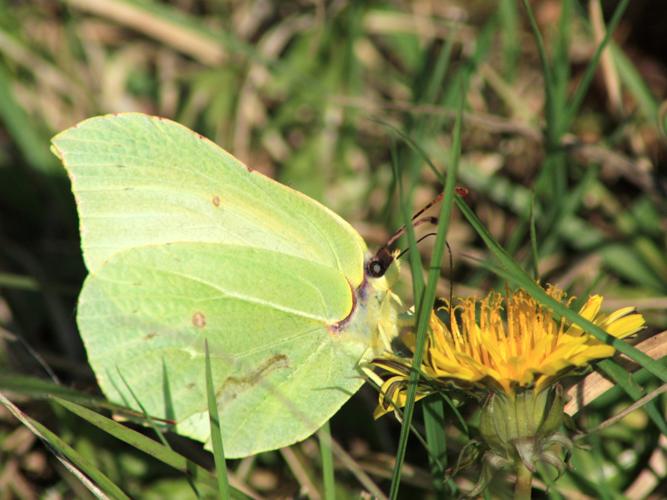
(509, 27)
(148, 418)
(72, 460)
(32, 145)
(324, 435)
(436, 439)
(535, 256)
(216, 431)
(587, 78)
(424, 300)
(624, 380)
(19, 282)
(131, 437)
(635, 83)
(143, 443)
(549, 83)
(38, 388)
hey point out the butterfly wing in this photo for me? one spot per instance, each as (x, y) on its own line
(279, 370)
(183, 243)
(142, 180)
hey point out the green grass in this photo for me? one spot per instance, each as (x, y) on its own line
(373, 109)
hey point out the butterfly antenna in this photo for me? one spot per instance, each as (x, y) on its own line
(461, 191)
(380, 262)
(403, 252)
(383, 258)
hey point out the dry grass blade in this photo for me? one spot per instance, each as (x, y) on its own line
(591, 387)
(650, 476)
(25, 420)
(47, 74)
(350, 464)
(388, 22)
(181, 38)
(609, 72)
(308, 488)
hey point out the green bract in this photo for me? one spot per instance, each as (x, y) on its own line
(184, 243)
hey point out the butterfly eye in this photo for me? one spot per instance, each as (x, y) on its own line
(377, 265)
(375, 268)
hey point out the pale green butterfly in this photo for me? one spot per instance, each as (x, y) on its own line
(184, 243)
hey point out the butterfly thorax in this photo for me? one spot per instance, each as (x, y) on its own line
(374, 315)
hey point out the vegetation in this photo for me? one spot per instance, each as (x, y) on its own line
(560, 141)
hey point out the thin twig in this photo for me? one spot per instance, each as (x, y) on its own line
(634, 406)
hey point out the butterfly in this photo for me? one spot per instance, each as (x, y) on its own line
(185, 244)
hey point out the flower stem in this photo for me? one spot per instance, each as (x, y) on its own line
(524, 482)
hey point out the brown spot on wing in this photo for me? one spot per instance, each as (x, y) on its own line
(199, 320)
(150, 336)
(216, 201)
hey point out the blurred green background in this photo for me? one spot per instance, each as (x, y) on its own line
(319, 94)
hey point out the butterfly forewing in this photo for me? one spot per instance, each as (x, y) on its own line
(142, 180)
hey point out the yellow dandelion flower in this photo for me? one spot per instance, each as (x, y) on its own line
(504, 343)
